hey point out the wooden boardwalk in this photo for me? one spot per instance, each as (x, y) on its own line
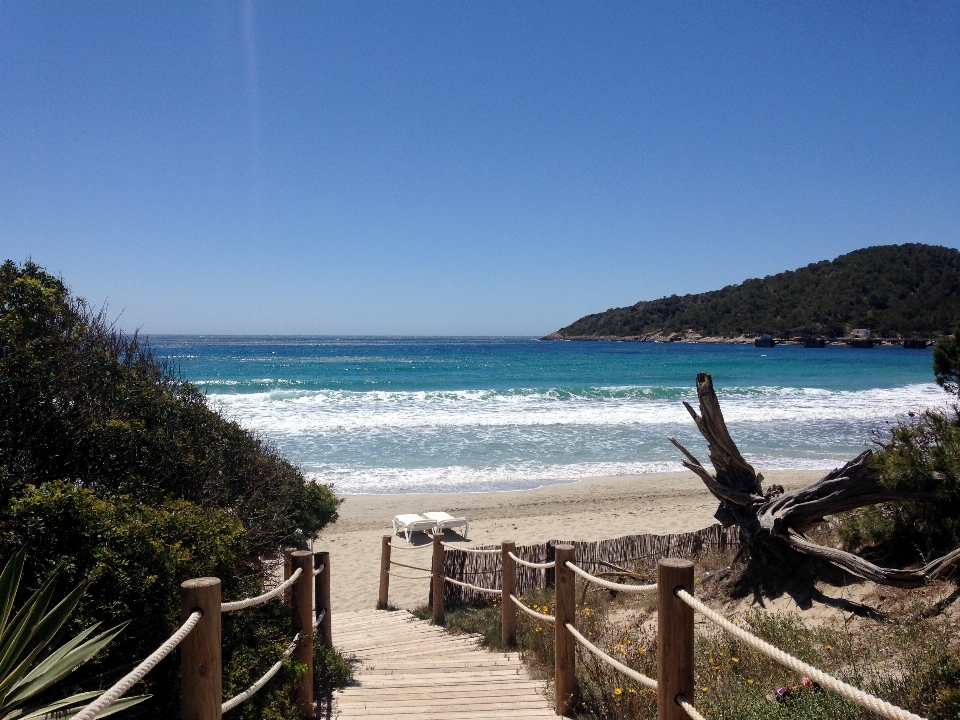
(409, 669)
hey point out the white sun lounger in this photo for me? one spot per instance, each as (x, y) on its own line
(443, 520)
(411, 523)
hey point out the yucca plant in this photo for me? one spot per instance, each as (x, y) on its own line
(29, 664)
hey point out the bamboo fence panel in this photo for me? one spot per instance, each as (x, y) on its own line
(630, 550)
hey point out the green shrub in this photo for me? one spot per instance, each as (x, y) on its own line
(137, 556)
(946, 362)
(80, 401)
(331, 670)
(114, 465)
(920, 454)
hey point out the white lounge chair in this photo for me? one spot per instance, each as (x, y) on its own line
(443, 520)
(411, 523)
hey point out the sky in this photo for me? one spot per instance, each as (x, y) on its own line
(462, 168)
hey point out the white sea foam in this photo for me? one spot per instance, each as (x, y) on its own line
(297, 412)
(518, 476)
(469, 440)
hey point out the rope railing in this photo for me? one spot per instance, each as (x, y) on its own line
(476, 551)
(620, 587)
(258, 685)
(691, 711)
(612, 662)
(260, 599)
(409, 577)
(408, 547)
(200, 597)
(475, 588)
(411, 567)
(675, 658)
(137, 674)
(526, 563)
(532, 613)
(854, 694)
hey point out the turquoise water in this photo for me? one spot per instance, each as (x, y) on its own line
(465, 414)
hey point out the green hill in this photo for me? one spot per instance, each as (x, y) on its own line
(894, 290)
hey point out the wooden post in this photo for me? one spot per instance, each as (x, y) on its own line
(384, 599)
(674, 638)
(321, 595)
(508, 584)
(287, 572)
(550, 578)
(201, 684)
(565, 660)
(301, 613)
(437, 583)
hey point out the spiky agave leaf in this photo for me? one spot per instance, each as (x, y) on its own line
(63, 709)
(30, 632)
(60, 663)
(9, 583)
(40, 628)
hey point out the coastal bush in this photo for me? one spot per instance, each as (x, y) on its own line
(946, 362)
(113, 465)
(81, 401)
(921, 453)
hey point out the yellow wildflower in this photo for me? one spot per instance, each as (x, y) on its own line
(617, 691)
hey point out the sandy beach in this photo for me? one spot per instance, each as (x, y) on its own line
(593, 508)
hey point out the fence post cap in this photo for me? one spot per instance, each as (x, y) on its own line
(563, 547)
(675, 562)
(301, 553)
(199, 583)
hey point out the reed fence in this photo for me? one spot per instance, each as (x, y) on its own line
(635, 551)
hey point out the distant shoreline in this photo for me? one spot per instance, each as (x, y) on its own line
(695, 339)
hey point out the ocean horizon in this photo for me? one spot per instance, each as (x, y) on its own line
(468, 414)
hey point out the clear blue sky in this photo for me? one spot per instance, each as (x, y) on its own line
(463, 167)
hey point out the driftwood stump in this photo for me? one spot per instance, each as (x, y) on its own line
(773, 524)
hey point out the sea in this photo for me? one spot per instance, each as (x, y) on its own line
(463, 414)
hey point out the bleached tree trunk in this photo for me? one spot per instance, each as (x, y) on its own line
(775, 523)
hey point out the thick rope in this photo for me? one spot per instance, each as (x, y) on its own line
(261, 599)
(690, 709)
(476, 551)
(615, 664)
(533, 613)
(410, 547)
(258, 685)
(318, 570)
(412, 567)
(539, 566)
(132, 678)
(319, 617)
(861, 698)
(610, 585)
(492, 591)
(409, 577)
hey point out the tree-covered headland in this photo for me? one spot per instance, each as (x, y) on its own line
(909, 290)
(113, 465)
